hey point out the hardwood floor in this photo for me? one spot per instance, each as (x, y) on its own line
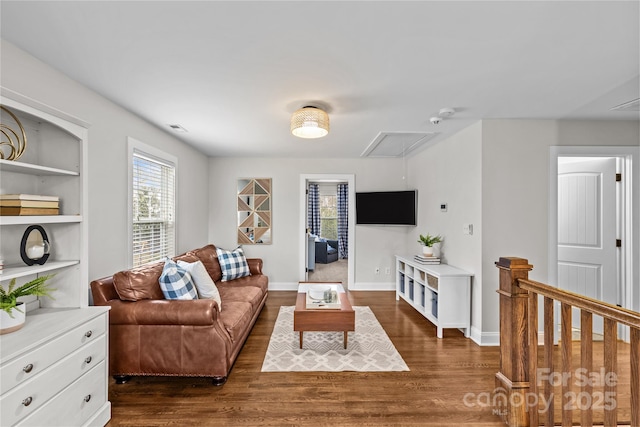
(432, 393)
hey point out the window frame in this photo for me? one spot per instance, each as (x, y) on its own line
(329, 218)
(145, 150)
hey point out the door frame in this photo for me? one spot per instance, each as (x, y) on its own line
(627, 156)
(302, 238)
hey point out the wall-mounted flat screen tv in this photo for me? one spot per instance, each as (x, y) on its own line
(387, 207)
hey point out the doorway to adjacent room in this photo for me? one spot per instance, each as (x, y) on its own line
(327, 232)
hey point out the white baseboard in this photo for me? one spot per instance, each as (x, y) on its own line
(283, 286)
(373, 286)
(485, 338)
(493, 338)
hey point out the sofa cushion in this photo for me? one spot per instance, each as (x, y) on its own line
(249, 294)
(204, 284)
(233, 264)
(139, 282)
(209, 257)
(236, 317)
(176, 282)
(259, 281)
(187, 257)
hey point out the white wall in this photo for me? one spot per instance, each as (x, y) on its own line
(450, 172)
(107, 153)
(495, 175)
(515, 191)
(375, 246)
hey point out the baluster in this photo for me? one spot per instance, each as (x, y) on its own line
(586, 362)
(548, 358)
(635, 376)
(533, 356)
(610, 368)
(566, 337)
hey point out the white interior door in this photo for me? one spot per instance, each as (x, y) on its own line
(307, 253)
(587, 256)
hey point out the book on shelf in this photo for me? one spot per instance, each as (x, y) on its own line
(17, 211)
(29, 197)
(427, 260)
(29, 203)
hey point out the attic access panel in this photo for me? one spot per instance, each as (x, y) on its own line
(397, 144)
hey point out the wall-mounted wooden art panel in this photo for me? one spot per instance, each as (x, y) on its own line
(254, 211)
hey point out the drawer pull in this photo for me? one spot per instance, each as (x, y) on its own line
(28, 368)
(87, 398)
(88, 334)
(87, 360)
(27, 401)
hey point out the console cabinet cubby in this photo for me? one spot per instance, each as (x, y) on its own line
(53, 371)
(441, 293)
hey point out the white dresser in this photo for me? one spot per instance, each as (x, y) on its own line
(53, 372)
(441, 293)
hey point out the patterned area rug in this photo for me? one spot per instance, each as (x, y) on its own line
(369, 349)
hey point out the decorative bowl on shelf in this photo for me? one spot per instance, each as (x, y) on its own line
(317, 292)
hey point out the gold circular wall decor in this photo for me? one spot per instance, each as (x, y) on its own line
(16, 143)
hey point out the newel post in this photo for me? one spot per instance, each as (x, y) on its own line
(512, 381)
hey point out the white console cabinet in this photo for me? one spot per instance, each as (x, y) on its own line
(441, 293)
(53, 371)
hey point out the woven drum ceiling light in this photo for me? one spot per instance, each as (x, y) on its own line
(310, 122)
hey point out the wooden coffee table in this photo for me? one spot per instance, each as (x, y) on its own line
(321, 320)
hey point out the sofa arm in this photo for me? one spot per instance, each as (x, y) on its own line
(255, 265)
(201, 312)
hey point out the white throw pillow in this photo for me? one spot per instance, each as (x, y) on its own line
(204, 283)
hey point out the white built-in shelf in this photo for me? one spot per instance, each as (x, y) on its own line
(31, 169)
(39, 219)
(17, 271)
(55, 340)
(441, 293)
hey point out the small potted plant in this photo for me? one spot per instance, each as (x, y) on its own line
(427, 242)
(12, 312)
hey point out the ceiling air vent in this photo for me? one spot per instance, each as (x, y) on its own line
(177, 128)
(628, 106)
(396, 144)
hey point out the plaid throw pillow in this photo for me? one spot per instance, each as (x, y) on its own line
(176, 282)
(233, 264)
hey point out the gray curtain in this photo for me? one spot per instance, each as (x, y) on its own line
(313, 210)
(343, 221)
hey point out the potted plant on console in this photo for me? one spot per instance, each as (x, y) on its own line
(428, 243)
(12, 311)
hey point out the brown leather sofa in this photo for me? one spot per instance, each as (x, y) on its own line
(149, 335)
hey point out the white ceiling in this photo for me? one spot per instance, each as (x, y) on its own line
(231, 73)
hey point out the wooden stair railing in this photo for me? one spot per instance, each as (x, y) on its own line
(517, 397)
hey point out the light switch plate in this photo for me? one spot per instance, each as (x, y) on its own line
(467, 229)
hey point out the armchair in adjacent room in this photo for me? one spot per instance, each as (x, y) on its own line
(326, 251)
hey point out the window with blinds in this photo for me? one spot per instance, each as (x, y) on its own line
(329, 216)
(153, 208)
